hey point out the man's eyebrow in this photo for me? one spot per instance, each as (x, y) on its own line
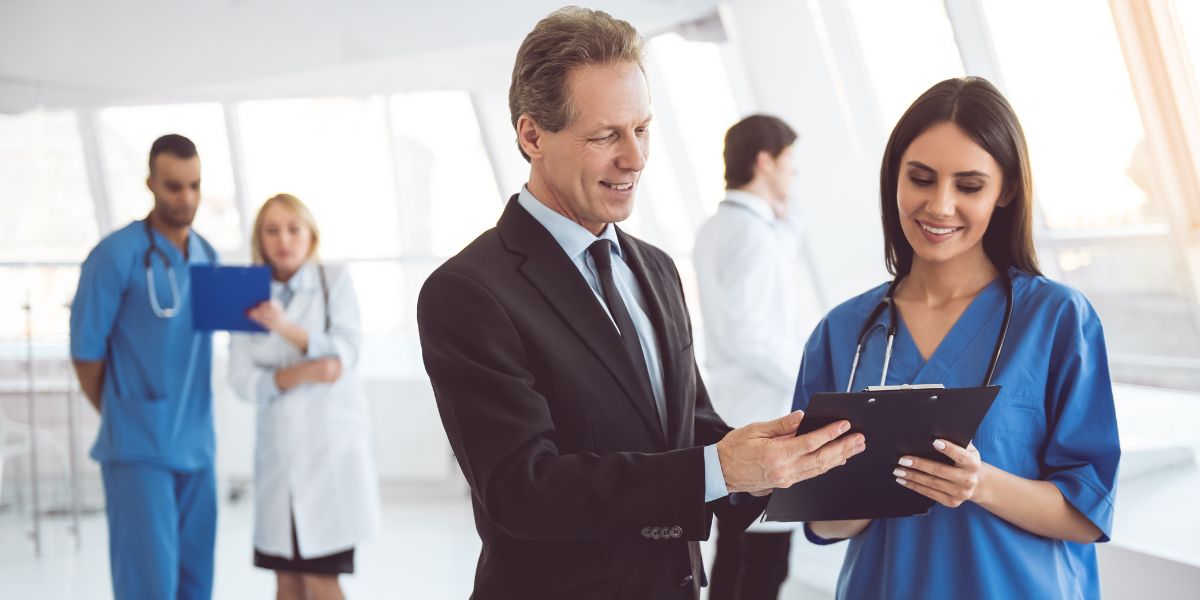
(606, 126)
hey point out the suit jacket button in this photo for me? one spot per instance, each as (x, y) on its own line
(676, 531)
(646, 532)
(686, 581)
(654, 533)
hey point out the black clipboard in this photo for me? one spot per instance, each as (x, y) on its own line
(895, 423)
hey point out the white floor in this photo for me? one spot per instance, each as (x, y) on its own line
(427, 550)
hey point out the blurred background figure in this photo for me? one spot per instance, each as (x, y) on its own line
(145, 370)
(315, 491)
(758, 304)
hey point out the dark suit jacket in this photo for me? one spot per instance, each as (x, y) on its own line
(577, 491)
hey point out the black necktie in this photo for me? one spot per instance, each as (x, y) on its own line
(601, 253)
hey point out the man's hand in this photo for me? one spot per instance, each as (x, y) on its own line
(763, 456)
(91, 380)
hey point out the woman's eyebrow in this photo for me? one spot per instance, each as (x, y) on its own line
(920, 165)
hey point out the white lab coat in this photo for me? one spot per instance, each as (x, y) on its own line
(759, 308)
(312, 454)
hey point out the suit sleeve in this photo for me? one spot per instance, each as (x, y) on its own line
(501, 430)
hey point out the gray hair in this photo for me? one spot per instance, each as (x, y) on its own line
(568, 38)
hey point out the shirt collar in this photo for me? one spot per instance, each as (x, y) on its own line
(304, 278)
(571, 236)
(758, 205)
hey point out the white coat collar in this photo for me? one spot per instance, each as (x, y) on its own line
(759, 206)
(305, 279)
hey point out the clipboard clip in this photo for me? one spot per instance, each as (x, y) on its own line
(904, 386)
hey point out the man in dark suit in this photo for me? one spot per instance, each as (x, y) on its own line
(560, 352)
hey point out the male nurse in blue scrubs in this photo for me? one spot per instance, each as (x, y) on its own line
(147, 371)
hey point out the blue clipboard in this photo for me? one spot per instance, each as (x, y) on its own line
(222, 295)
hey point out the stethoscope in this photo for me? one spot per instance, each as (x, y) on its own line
(152, 291)
(148, 259)
(888, 303)
(170, 311)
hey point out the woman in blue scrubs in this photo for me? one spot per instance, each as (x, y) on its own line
(1019, 510)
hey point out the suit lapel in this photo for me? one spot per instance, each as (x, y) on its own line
(651, 280)
(549, 269)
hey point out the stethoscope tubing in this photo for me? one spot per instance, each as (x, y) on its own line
(888, 303)
(152, 291)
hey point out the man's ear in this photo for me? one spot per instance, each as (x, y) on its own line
(763, 162)
(148, 186)
(529, 136)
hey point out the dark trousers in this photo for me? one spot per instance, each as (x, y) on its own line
(749, 566)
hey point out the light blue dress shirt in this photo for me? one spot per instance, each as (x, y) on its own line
(575, 241)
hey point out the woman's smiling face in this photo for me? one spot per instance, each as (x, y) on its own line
(948, 188)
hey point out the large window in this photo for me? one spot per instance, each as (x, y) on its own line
(1098, 185)
(333, 154)
(908, 46)
(447, 191)
(701, 106)
(126, 134)
(1188, 16)
(44, 195)
(1084, 131)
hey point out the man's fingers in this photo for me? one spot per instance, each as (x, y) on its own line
(829, 456)
(785, 425)
(814, 440)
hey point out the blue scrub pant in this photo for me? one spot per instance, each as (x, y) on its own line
(162, 526)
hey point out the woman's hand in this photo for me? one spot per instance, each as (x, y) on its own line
(321, 370)
(948, 485)
(324, 370)
(269, 314)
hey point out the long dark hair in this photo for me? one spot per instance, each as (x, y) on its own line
(980, 110)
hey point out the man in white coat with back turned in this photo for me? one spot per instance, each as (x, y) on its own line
(759, 307)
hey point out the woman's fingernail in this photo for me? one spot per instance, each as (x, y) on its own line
(901, 481)
(906, 462)
(939, 444)
(899, 473)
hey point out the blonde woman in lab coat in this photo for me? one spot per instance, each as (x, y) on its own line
(315, 485)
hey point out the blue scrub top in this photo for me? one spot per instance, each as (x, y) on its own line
(1053, 420)
(157, 397)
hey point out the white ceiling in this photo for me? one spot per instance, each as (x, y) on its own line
(84, 53)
